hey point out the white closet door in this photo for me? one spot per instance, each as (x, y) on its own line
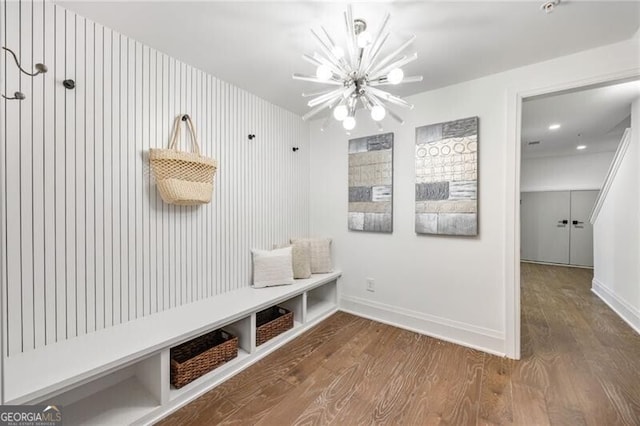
(544, 226)
(581, 229)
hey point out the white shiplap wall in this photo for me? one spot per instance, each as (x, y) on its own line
(87, 242)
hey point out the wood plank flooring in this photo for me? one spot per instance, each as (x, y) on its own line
(580, 366)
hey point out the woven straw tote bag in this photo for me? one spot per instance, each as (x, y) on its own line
(183, 178)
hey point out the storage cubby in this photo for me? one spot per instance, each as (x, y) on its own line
(242, 329)
(321, 300)
(121, 397)
(295, 305)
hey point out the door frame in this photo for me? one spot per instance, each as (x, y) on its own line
(515, 96)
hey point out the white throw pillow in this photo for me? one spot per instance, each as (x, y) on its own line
(320, 249)
(272, 267)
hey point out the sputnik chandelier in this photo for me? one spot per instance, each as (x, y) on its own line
(359, 72)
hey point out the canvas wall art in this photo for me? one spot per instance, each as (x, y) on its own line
(447, 178)
(371, 183)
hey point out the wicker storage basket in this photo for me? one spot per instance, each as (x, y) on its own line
(272, 322)
(196, 357)
(183, 178)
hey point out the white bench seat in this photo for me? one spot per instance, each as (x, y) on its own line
(38, 374)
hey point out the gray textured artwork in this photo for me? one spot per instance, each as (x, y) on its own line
(371, 183)
(447, 178)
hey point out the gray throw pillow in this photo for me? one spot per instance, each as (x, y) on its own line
(320, 254)
(301, 258)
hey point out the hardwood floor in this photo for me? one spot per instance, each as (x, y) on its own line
(580, 365)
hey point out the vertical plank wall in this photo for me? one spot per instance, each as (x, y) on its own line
(87, 243)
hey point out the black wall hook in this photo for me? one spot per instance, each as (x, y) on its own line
(69, 84)
(294, 149)
(251, 136)
(16, 96)
(40, 68)
(185, 117)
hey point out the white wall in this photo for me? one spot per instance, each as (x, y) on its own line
(87, 242)
(571, 172)
(457, 288)
(617, 234)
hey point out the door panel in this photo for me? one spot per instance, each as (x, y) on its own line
(544, 238)
(581, 247)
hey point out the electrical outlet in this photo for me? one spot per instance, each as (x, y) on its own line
(371, 284)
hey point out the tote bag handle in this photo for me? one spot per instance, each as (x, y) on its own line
(175, 138)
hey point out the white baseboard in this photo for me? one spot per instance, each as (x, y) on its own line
(535, 262)
(628, 313)
(468, 335)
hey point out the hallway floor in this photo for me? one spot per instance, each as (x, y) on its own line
(580, 365)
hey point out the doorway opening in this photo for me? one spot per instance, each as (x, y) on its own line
(568, 143)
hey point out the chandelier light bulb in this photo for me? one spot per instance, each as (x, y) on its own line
(378, 113)
(364, 39)
(395, 76)
(324, 73)
(340, 112)
(337, 51)
(349, 123)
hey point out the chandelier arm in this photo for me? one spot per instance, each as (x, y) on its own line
(371, 101)
(375, 52)
(351, 35)
(389, 97)
(311, 60)
(325, 98)
(330, 96)
(352, 110)
(381, 29)
(335, 68)
(326, 50)
(314, 79)
(340, 61)
(328, 36)
(374, 45)
(359, 60)
(351, 103)
(329, 104)
(363, 60)
(397, 64)
(380, 102)
(312, 94)
(395, 116)
(374, 74)
(412, 79)
(366, 102)
(392, 55)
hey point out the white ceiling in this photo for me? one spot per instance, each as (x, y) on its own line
(594, 117)
(258, 45)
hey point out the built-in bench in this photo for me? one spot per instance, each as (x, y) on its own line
(120, 375)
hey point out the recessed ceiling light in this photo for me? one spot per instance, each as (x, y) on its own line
(554, 127)
(581, 147)
(549, 6)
